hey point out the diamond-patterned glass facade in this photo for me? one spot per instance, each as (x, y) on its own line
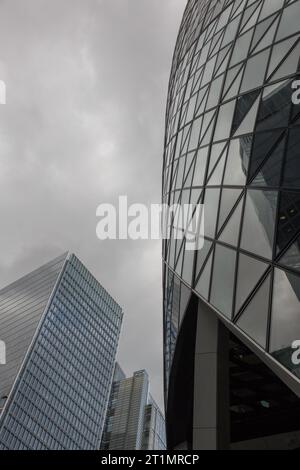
(63, 328)
(232, 144)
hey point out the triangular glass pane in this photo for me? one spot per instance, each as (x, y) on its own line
(250, 271)
(267, 40)
(189, 173)
(206, 133)
(270, 173)
(270, 7)
(228, 201)
(223, 279)
(238, 161)
(217, 175)
(234, 88)
(202, 286)
(231, 231)
(278, 54)
(289, 219)
(231, 77)
(222, 60)
(254, 320)
(237, 8)
(247, 19)
(289, 66)
(255, 71)
(201, 100)
(264, 144)
(180, 258)
(188, 265)
(261, 30)
(244, 104)
(285, 320)
(202, 255)
(259, 222)
(214, 93)
(211, 202)
(248, 124)
(216, 152)
(275, 108)
(241, 48)
(291, 258)
(200, 168)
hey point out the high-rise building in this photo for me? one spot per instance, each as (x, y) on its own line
(61, 330)
(154, 430)
(134, 421)
(232, 309)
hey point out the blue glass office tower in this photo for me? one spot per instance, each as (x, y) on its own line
(232, 309)
(61, 330)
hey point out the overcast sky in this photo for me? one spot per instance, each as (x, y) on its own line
(83, 124)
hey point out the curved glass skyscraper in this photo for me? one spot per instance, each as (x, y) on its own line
(232, 309)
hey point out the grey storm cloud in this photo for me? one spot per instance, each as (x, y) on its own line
(84, 123)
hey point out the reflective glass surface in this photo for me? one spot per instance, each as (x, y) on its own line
(231, 83)
(60, 395)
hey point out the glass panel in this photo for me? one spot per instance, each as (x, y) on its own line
(188, 265)
(241, 48)
(231, 31)
(289, 219)
(292, 166)
(261, 30)
(223, 280)
(211, 204)
(289, 23)
(250, 271)
(231, 232)
(285, 323)
(264, 144)
(275, 108)
(184, 300)
(243, 106)
(259, 222)
(289, 66)
(216, 152)
(255, 71)
(270, 7)
(270, 174)
(228, 201)
(200, 167)
(225, 117)
(248, 124)
(279, 52)
(292, 257)
(216, 177)
(202, 286)
(202, 255)
(238, 161)
(214, 93)
(254, 320)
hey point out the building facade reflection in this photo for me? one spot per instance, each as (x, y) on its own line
(231, 143)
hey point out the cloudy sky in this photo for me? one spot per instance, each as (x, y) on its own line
(84, 123)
